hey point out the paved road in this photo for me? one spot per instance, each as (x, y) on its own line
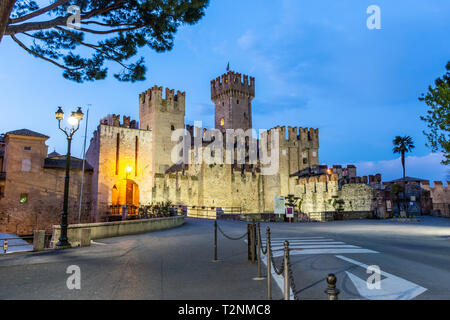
(176, 264)
(414, 258)
(172, 264)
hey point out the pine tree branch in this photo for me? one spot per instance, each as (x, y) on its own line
(95, 47)
(38, 12)
(42, 57)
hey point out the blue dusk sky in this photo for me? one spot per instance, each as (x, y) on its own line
(316, 65)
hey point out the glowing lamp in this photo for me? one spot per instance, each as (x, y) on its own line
(73, 119)
(59, 114)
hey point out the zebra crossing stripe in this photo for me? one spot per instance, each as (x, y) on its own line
(314, 245)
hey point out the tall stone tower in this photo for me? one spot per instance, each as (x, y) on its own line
(233, 94)
(162, 117)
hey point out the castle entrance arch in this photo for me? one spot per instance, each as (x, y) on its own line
(125, 197)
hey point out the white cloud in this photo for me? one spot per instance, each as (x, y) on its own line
(247, 40)
(427, 167)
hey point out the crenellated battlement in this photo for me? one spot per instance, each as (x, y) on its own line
(437, 185)
(233, 82)
(293, 134)
(113, 120)
(154, 100)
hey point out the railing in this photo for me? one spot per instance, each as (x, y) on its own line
(119, 210)
(132, 212)
(221, 213)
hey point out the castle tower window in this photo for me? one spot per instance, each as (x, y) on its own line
(172, 127)
(237, 101)
(27, 148)
(222, 122)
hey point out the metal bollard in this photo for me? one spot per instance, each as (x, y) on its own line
(287, 294)
(259, 277)
(215, 241)
(249, 241)
(5, 246)
(269, 266)
(253, 241)
(332, 292)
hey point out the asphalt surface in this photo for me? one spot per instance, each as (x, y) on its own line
(414, 259)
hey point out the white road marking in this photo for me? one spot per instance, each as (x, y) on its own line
(324, 251)
(314, 245)
(298, 241)
(310, 245)
(392, 287)
(279, 279)
(321, 246)
(98, 243)
(305, 243)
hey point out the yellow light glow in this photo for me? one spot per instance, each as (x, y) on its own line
(129, 169)
(73, 121)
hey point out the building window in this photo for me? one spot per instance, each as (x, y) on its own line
(314, 154)
(27, 148)
(305, 161)
(23, 198)
(172, 127)
(26, 165)
(222, 122)
(238, 101)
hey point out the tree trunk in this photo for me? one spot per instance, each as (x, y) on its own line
(6, 7)
(404, 185)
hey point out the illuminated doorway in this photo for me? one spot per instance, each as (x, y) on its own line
(125, 195)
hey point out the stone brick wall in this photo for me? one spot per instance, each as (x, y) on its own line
(162, 116)
(112, 150)
(44, 190)
(320, 194)
(440, 196)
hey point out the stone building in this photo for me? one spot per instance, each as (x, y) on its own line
(130, 164)
(32, 184)
(145, 149)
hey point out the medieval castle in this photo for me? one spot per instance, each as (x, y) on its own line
(129, 164)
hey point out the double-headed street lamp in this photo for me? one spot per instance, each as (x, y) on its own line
(74, 121)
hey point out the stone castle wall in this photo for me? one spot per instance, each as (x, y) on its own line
(440, 196)
(113, 149)
(320, 195)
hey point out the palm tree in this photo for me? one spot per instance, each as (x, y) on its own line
(403, 145)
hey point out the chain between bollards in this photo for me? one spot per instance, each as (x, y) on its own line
(332, 291)
(286, 271)
(269, 265)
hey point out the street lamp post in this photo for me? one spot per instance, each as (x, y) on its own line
(74, 121)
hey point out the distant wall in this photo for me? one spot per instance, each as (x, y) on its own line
(440, 196)
(319, 197)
